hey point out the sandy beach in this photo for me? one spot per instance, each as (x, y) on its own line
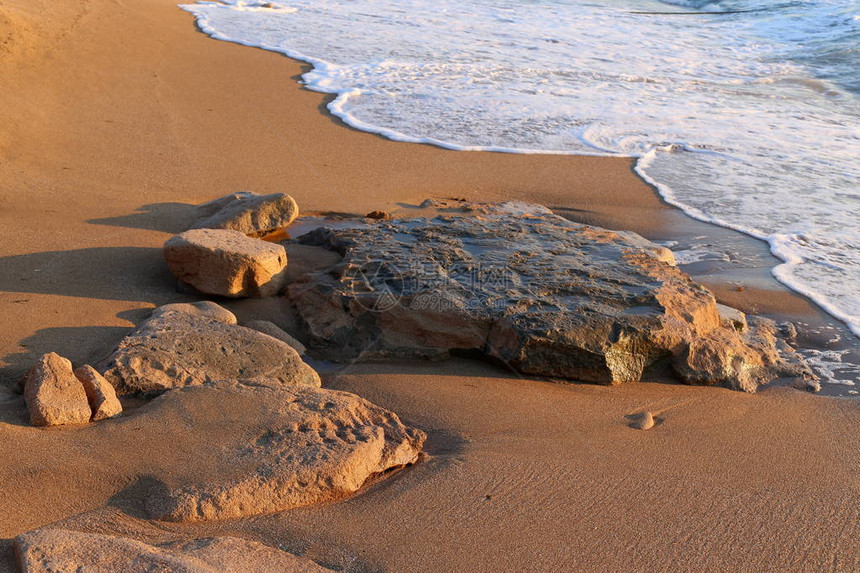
(118, 116)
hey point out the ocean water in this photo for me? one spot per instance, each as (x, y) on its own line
(744, 113)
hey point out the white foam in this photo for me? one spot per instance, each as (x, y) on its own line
(829, 366)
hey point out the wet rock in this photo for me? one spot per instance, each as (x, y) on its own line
(275, 331)
(518, 284)
(248, 213)
(295, 446)
(100, 394)
(184, 345)
(226, 263)
(50, 550)
(54, 395)
(378, 215)
(642, 421)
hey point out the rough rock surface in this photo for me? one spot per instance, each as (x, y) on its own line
(53, 393)
(50, 550)
(189, 344)
(248, 213)
(519, 284)
(100, 394)
(226, 263)
(275, 331)
(300, 446)
(732, 317)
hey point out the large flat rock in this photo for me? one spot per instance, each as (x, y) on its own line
(521, 285)
(226, 263)
(293, 446)
(191, 344)
(53, 550)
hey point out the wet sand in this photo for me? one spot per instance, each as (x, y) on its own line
(118, 115)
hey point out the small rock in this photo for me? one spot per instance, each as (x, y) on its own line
(298, 446)
(788, 330)
(378, 215)
(186, 345)
(226, 263)
(643, 421)
(732, 317)
(100, 394)
(275, 331)
(53, 550)
(248, 213)
(53, 393)
(807, 384)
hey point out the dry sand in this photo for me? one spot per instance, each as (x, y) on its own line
(117, 114)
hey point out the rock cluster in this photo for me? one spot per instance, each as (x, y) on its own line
(521, 285)
(222, 253)
(54, 550)
(195, 343)
(57, 395)
(226, 263)
(282, 442)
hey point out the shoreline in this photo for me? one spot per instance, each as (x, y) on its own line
(747, 282)
(334, 107)
(805, 307)
(120, 119)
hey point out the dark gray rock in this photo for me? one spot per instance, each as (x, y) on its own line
(519, 284)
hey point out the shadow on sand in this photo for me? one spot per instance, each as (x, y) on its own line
(167, 217)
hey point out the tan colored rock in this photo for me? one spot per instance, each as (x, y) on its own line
(275, 331)
(226, 263)
(723, 357)
(203, 308)
(178, 348)
(248, 213)
(642, 421)
(732, 317)
(100, 394)
(298, 446)
(50, 550)
(53, 393)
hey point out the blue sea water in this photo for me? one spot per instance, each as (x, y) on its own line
(745, 113)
